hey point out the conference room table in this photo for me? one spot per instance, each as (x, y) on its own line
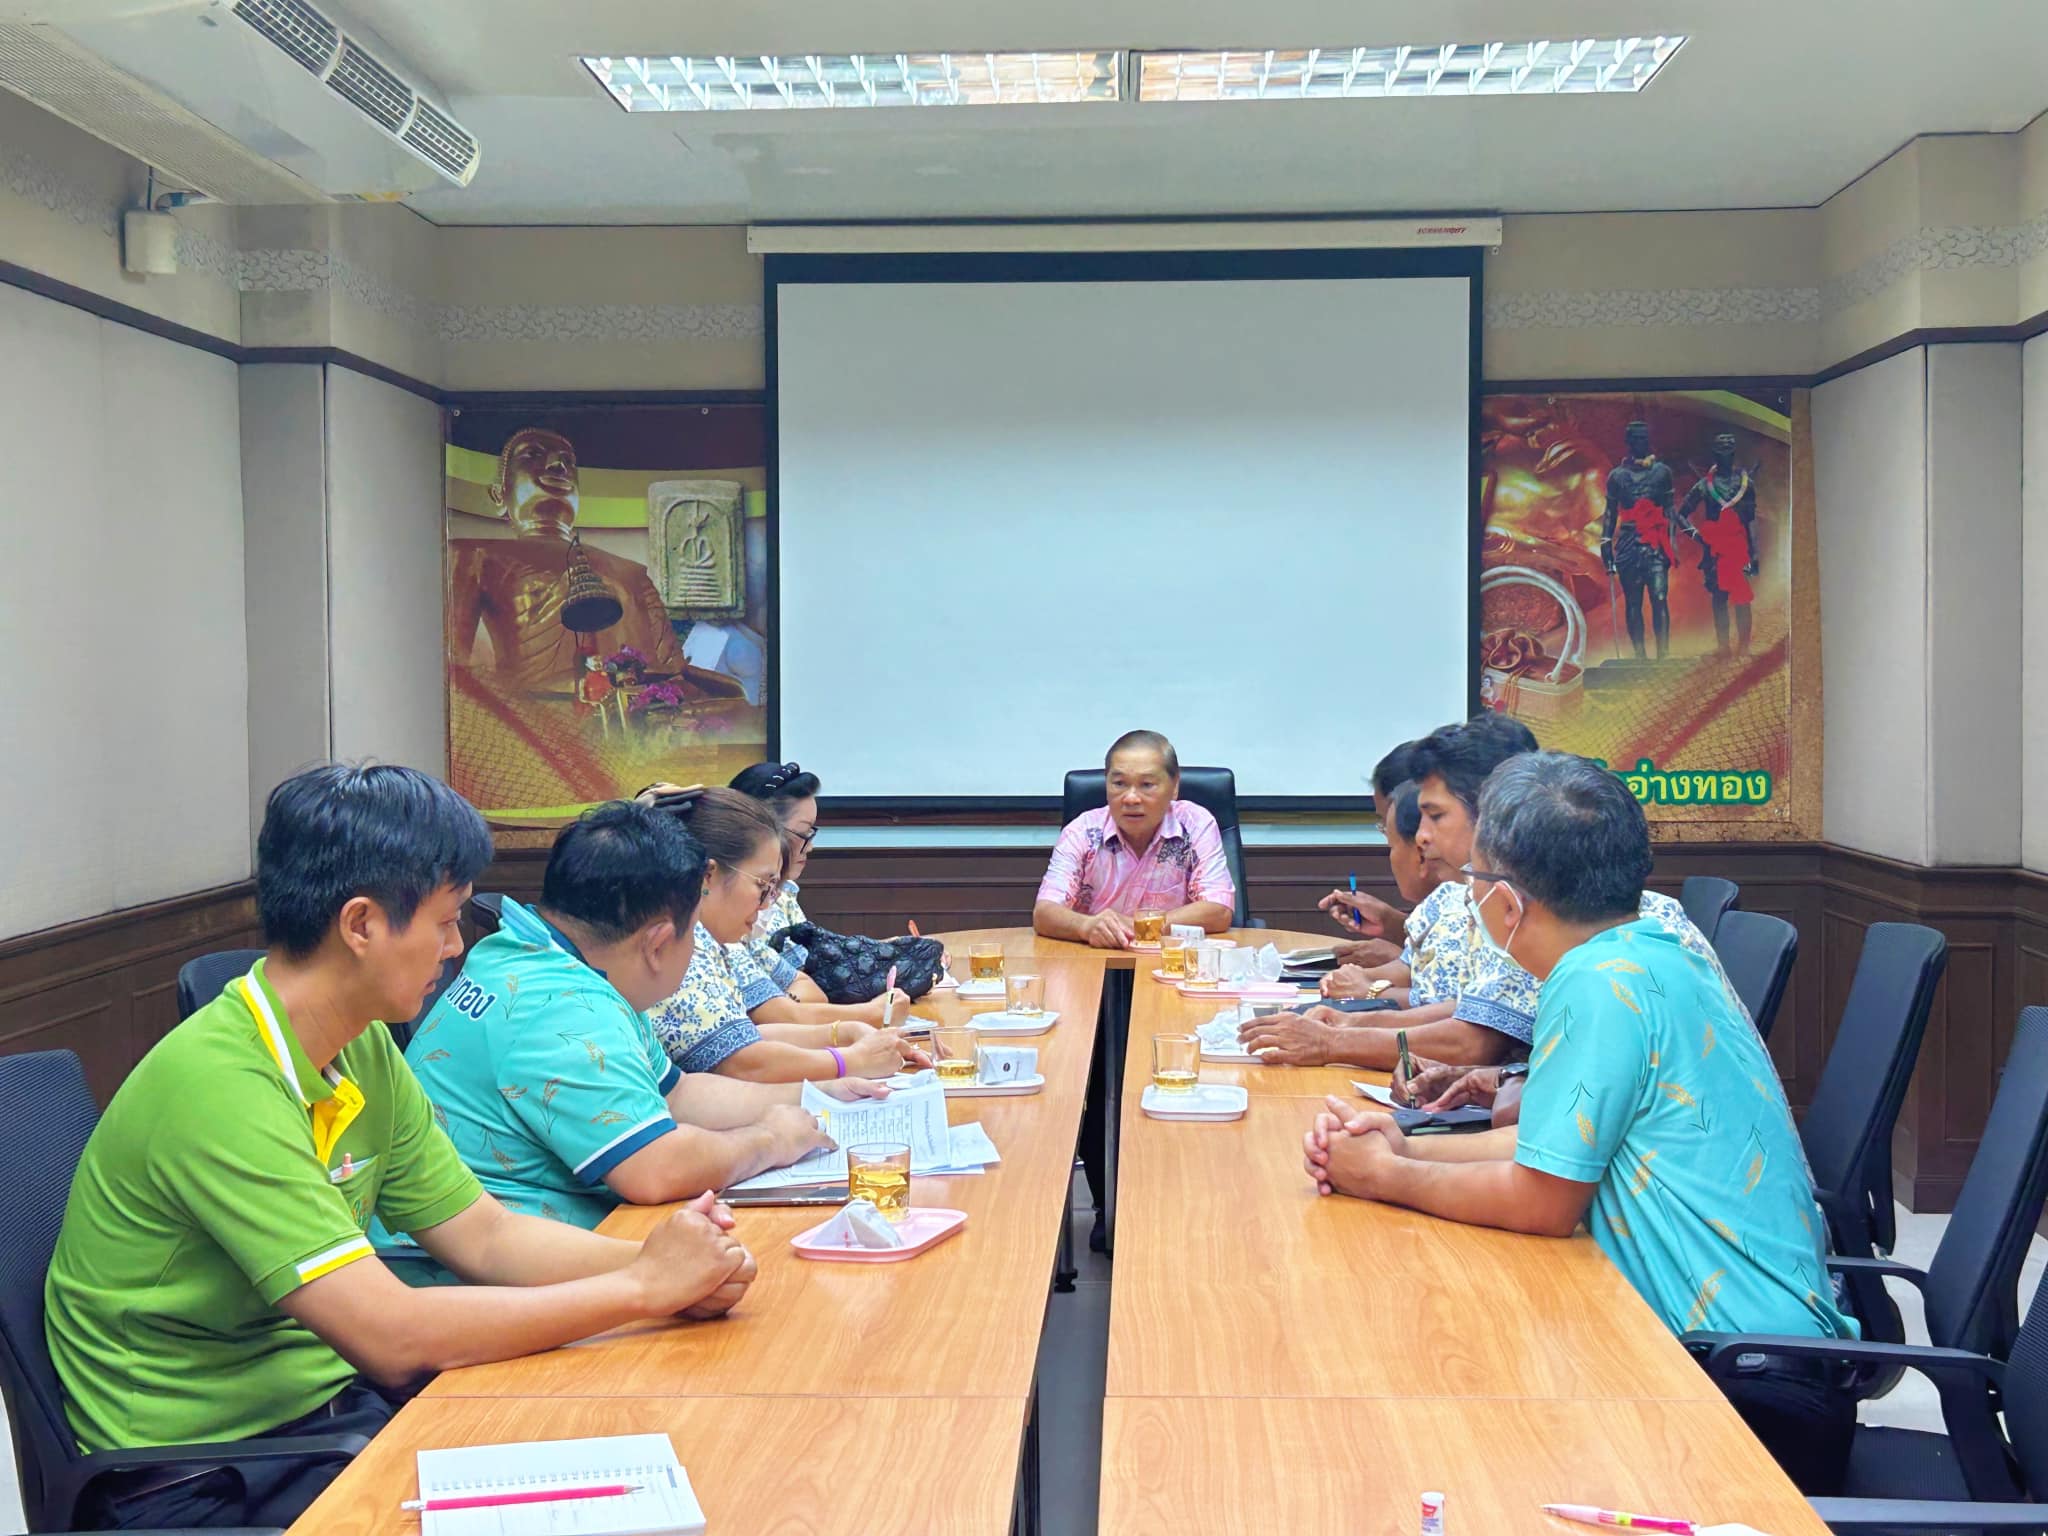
(1277, 1360)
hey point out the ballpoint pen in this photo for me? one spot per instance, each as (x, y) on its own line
(531, 1496)
(1592, 1514)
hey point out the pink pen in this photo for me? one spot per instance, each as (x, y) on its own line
(888, 995)
(1592, 1514)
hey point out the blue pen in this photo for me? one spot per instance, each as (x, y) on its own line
(1353, 877)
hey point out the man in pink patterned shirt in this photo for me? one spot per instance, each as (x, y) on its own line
(1143, 851)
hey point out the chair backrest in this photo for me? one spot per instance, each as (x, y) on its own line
(46, 1115)
(1707, 899)
(1848, 1126)
(1756, 952)
(485, 910)
(200, 981)
(2024, 1396)
(1972, 1290)
(1213, 789)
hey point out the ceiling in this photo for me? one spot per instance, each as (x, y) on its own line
(1772, 103)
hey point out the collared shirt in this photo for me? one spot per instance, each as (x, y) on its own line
(1649, 1082)
(1094, 870)
(706, 1021)
(1491, 989)
(783, 965)
(226, 1173)
(543, 1076)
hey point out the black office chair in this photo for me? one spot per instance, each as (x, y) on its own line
(401, 1034)
(1707, 899)
(1848, 1127)
(1972, 1294)
(485, 910)
(1213, 789)
(1756, 951)
(46, 1116)
(200, 981)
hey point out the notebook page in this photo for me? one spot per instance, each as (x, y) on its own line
(665, 1503)
(913, 1117)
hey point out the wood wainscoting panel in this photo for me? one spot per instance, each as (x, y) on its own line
(106, 987)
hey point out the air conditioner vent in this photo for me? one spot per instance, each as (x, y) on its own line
(360, 79)
(295, 27)
(442, 140)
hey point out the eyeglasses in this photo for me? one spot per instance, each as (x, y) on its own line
(801, 839)
(1469, 874)
(765, 885)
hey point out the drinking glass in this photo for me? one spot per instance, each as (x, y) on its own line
(953, 1053)
(1025, 996)
(880, 1172)
(985, 962)
(1176, 1062)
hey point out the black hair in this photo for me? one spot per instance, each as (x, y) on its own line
(1463, 755)
(1567, 834)
(343, 830)
(1397, 767)
(725, 823)
(1404, 810)
(1144, 741)
(621, 866)
(782, 785)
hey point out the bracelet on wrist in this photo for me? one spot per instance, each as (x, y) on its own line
(838, 1060)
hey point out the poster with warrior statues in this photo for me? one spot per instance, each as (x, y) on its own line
(1636, 589)
(606, 603)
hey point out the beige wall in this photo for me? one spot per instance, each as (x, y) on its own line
(2034, 614)
(1950, 231)
(125, 697)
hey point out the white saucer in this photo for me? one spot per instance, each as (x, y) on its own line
(1010, 1026)
(1017, 1089)
(1205, 1101)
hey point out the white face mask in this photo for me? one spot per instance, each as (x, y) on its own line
(1498, 946)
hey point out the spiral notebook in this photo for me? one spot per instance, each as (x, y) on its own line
(664, 1504)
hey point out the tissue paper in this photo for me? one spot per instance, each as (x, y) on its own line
(858, 1225)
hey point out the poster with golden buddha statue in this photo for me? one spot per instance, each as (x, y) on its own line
(607, 602)
(1643, 599)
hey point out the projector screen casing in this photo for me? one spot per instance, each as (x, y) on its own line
(898, 568)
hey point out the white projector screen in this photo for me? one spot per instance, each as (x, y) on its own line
(1016, 519)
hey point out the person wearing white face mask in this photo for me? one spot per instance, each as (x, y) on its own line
(1653, 1113)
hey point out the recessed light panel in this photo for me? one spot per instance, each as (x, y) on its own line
(781, 82)
(1542, 68)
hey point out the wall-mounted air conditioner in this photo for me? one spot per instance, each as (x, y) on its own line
(251, 101)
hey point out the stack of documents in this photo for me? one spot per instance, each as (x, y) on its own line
(912, 1116)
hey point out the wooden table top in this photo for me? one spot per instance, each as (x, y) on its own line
(822, 1466)
(962, 1320)
(1248, 1466)
(1234, 1278)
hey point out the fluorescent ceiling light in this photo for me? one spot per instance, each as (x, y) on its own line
(1552, 68)
(680, 83)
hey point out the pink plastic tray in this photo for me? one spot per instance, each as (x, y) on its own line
(923, 1227)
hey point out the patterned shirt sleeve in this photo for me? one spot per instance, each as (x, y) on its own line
(1062, 882)
(1210, 879)
(1494, 992)
(755, 984)
(1586, 1077)
(706, 1021)
(579, 1080)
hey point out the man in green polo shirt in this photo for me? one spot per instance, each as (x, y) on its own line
(213, 1280)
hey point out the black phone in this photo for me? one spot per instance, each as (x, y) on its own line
(1423, 1122)
(1358, 1004)
(815, 1194)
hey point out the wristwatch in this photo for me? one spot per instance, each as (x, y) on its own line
(1378, 987)
(1514, 1069)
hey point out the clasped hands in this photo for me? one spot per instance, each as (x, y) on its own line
(1352, 1151)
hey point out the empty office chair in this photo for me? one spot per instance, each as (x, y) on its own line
(1756, 951)
(1213, 789)
(1848, 1127)
(46, 1116)
(200, 981)
(1707, 899)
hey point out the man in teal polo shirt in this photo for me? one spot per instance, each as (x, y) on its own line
(542, 1066)
(1652, 1113)
(213, 1280)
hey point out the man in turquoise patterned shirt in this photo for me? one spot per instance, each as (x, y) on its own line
(1652, 1113)
(542, 1066)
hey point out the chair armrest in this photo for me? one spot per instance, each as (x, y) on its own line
(312, 1449)
(1717, 1352)
(1886, 1269)
(1848, 1515)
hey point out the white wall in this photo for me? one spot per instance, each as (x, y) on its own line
(1973, 603)
(1870, 480)
(2034, 614)
(284, 527)
(124, 697)
(385, 485)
